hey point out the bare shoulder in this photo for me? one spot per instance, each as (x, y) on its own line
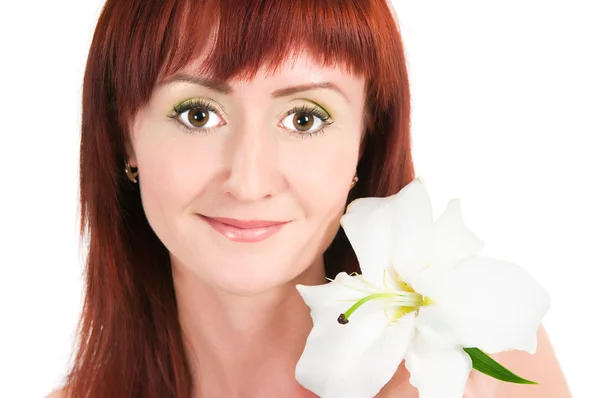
(542, 367)
(61, 393)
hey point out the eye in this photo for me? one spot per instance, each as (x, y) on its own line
(306, 120)
(301, 121)
(199, 118)
(196, 115)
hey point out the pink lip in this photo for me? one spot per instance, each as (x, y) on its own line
(245, 230)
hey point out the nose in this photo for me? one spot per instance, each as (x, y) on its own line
(252, 173)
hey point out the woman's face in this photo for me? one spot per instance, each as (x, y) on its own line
(245, 182)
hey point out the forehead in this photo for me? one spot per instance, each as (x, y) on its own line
(297, 68)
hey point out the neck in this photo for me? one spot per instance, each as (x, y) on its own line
(244, 345)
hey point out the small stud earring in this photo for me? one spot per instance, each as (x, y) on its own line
(354, 181)
(130, 174)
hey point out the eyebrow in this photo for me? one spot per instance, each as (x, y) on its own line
(215, 85)
(225, 88)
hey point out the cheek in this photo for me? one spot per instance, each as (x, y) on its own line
(172, 173)
(321, 189)
(321, 178)
(326, 185)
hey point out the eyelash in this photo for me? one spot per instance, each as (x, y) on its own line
(200, 103)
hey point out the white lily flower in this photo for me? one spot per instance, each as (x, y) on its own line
(423, 295)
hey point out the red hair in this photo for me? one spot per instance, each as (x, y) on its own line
(130, 342)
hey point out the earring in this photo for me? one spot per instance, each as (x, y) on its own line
(130, 174)
(354, 181)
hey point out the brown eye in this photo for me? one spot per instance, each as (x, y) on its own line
(198, 117)
(303, 121)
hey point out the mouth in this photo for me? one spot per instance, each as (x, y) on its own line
(244, 230)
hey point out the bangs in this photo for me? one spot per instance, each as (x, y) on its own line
(149, 41)
(240, 37)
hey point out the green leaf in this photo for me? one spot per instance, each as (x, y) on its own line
(487, 365)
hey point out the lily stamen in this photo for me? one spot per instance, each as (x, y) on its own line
(404, 299)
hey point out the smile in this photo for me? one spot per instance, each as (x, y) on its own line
(244, 230)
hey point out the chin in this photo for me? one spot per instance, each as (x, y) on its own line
(240, 286)
(249, 278)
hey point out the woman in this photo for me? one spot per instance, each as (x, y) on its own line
(221, 142)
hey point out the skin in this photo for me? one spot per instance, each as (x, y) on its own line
(243, 321)
(238, 306)
(542, 367)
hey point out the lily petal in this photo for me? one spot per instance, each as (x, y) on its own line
(437, 373)
(352, 360)
(377, 364)
(400, 224)
(451, 241)
(434, 328)
(367, 227)
(410, 215)
(491, 304)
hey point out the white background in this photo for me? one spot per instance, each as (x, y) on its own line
(506, 116)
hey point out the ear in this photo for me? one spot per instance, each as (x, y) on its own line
(129, 151)
(131, 158)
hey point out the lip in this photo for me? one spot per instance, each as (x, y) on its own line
(244, 230)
